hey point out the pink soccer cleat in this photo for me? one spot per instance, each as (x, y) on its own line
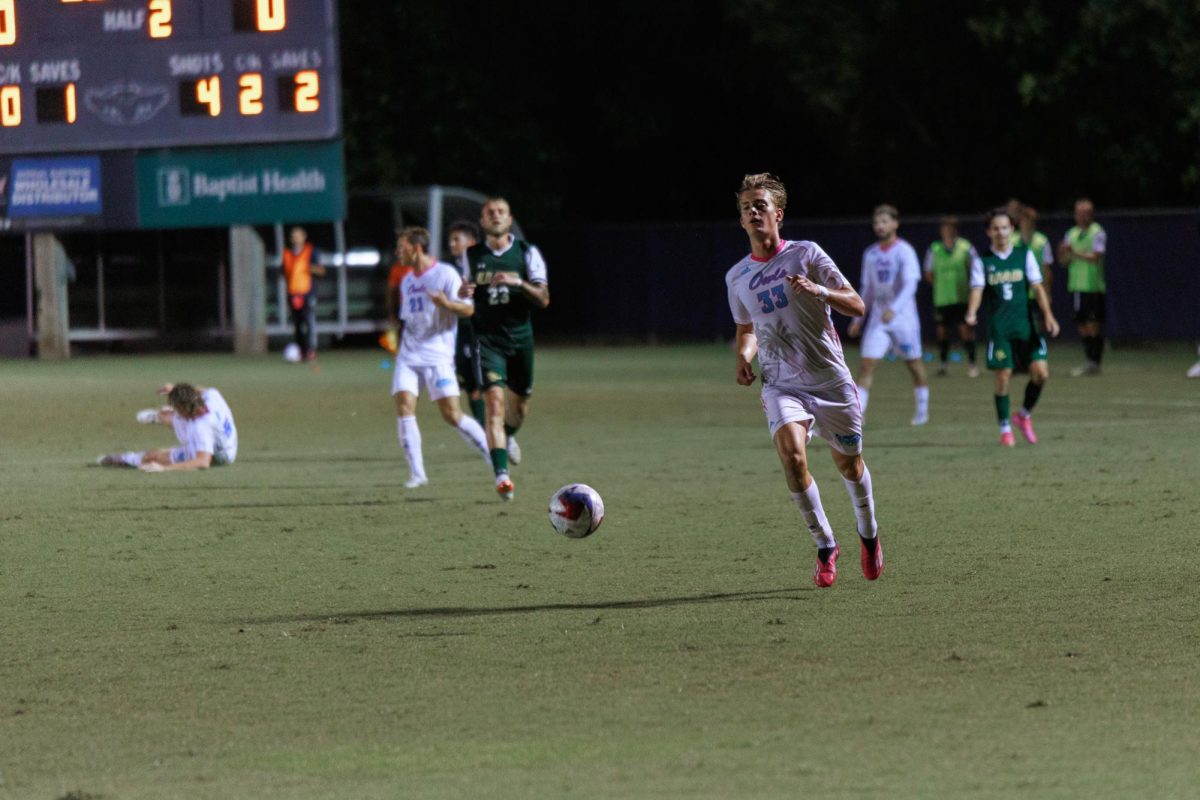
(872, 558)
(1007, 439)
(1025, 426)
(826, 572)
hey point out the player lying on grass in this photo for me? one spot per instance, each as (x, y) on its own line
(1002, 282)
(780, 297)
(203, 425)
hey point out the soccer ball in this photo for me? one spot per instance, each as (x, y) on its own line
(291, 353)
(576, 510)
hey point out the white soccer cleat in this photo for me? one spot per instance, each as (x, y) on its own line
(1194, 372)
(414, 482)
(504, 487)
(920, 419)
(148, 416)
(514, 451)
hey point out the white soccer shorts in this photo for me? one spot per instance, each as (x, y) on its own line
(439, 380)
(836, 411)
(181, 454)
(878, 341)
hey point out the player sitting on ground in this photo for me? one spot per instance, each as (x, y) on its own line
(1003, 278)
(203, 425)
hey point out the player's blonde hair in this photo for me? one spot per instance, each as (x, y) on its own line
(187, 400)
(887, 209)
(768, 183)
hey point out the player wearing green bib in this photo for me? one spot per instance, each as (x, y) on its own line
(947, 266)
(1038, 244)
(1082, 251)
(508, 281)
(1001, 282)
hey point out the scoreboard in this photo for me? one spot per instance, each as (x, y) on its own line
(91, 75)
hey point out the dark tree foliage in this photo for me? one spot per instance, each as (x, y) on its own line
(636, 111)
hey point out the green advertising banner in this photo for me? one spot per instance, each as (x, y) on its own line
(248, 185)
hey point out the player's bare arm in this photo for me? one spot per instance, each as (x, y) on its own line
(440, 300)
(538, 293)
(747, 349)
(1043, 301)
(844, 300)
(974, 300)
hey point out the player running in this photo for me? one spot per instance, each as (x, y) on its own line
(890, 275)
(203, 425)
(429, 312)
(509, 275)
(780, 297)
(1001, 281)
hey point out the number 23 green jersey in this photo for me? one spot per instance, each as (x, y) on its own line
(503, 313)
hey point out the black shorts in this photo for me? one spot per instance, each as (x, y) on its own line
(1089, 307)
(466, 362)
(951, 315)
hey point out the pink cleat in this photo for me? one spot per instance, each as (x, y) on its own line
(1007, 439)
(826, 572)
(872, 557)
(1025, 425)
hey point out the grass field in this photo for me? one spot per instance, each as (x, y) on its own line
(300, 626)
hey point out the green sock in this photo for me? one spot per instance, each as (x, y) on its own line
(499, 460)
(511, 430)
(477, 410)
(1002, 408)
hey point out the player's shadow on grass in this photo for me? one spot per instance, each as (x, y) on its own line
(237, 506)
(459, 612)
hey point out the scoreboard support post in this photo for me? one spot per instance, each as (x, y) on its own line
(51, 269)
(248, 265)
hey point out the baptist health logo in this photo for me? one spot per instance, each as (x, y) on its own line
(174, 186)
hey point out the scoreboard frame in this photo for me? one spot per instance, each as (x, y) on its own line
(92, 75)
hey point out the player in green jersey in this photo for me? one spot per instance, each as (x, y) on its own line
(947, 267)
(507, 277)
(464, 234)
(1001, 281)
(1082, 251)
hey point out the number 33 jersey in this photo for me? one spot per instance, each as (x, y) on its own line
(797, 343)
(428, 336)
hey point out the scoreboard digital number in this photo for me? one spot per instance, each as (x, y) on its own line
(87, 75)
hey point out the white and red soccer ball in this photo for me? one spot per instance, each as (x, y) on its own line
(576, 510)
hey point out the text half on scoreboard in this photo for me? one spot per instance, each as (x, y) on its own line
(87, 75)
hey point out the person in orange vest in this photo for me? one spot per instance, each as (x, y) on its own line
(300, 264)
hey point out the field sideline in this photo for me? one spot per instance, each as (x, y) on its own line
(300, 626)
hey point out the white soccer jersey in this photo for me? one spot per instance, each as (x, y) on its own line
(797, 344)
(428, 335)
(889, 280)
(213, 432)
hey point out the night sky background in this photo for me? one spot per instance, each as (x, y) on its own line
(636, 112)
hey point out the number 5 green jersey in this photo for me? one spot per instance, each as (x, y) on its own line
(1005, 279)
(502, 313)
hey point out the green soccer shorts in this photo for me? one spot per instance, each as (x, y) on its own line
(506, 365)
(1014, 354)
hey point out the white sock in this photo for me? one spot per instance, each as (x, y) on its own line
(472, 433)
(809, 503)
(132, 458)
(864, 504)
(863, 396)
(1005, 427)
(921, 393)
(410, 439)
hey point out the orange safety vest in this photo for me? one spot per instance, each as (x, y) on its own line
(297, 268)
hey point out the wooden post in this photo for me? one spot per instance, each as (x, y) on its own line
(248, 267)
(52, 269)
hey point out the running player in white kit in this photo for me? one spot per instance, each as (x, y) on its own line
(890, 276)
(780, 297)
(203, 425)
(429, 312)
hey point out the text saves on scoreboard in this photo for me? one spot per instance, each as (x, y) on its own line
(86, 75)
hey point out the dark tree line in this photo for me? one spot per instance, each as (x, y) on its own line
(635, 111)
